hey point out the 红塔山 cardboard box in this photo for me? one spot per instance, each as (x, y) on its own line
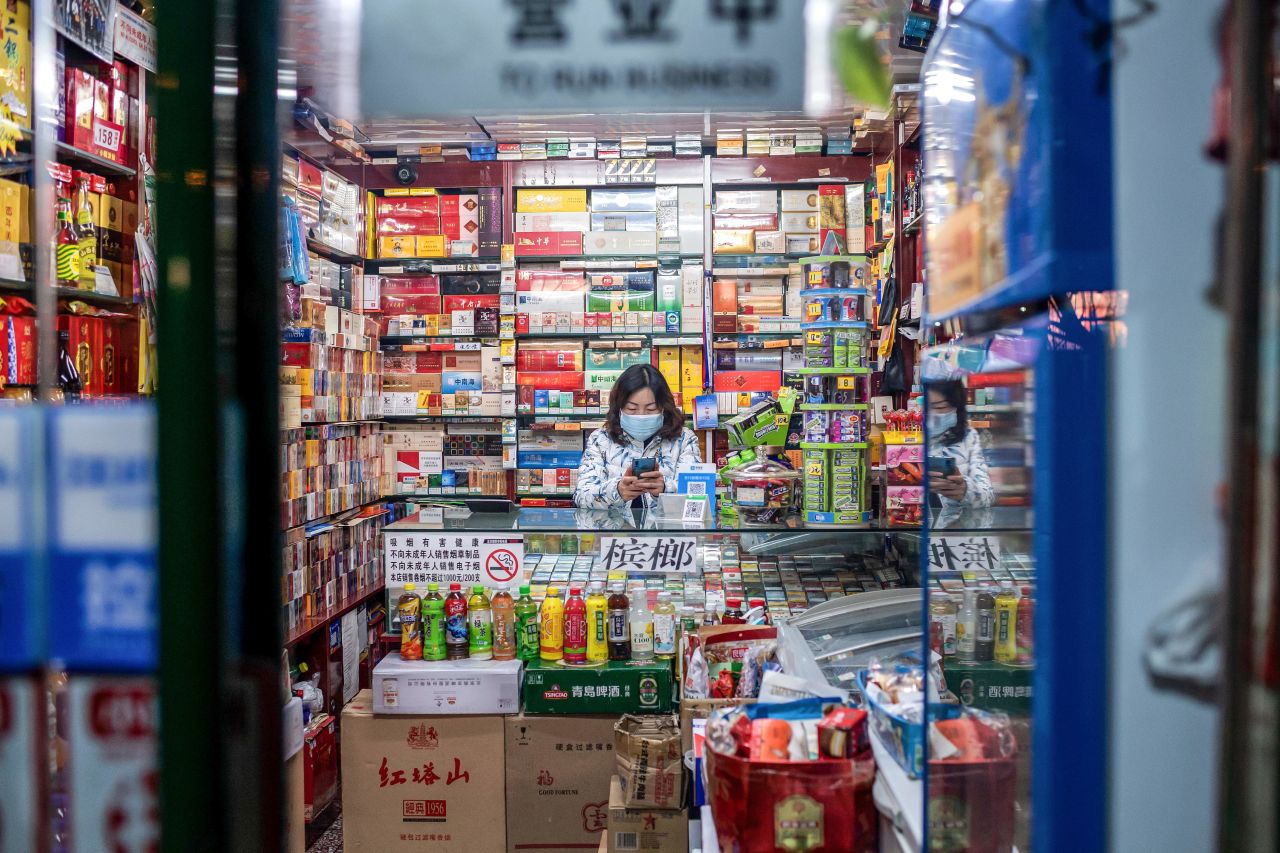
(432, 783)
(558, 772)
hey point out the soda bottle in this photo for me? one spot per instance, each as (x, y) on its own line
(88, 232)
(619, 624)
(575, 627)
(942, 612)
(527, 628)
(433, 645)
(1024, 629)
(1006, 650)
(479, 625)
(597, 624)
(641, 626)
(409, 611)
(455, 621)
(984, 644)
(66, 253)
(504, 625)
(664, 628)
(967, 628)
(732, 612)
(551, 620)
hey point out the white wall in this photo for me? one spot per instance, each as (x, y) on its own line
(1167, 430)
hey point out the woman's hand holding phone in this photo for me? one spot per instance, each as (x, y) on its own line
(629, 487)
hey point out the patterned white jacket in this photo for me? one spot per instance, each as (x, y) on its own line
(973, 510)
(605, 461)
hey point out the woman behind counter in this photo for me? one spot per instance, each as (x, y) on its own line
(643, 422)
(965, 495)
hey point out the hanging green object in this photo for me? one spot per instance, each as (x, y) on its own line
(857, 58)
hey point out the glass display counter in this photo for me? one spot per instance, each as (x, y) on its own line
(789, 566)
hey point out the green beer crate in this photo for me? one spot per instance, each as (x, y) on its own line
(616, 687)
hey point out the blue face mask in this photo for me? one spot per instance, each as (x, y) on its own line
(940, 423)
(641, 427)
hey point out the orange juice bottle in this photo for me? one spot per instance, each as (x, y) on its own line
(409, 610)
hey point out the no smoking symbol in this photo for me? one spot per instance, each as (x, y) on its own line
(501, 565)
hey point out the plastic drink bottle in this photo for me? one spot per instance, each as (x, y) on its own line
(942, 612)
(597, 624)
(480, 625)
(504, 625)
(967, 628)
(619, 624)
(433, 630)
(758, 610)
(455, 623)
(1023, 631)
(641, 627)
(984, 644)
(528, 631)
(664, 628)
(551, 620)
(86, 225)
(66, 247)
(409, 610)
(575, 627)
(1006, 650)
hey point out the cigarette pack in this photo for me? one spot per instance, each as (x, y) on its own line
(553, 221)
(545, 200)
(620, 243)
(738, 241)
(535, 243)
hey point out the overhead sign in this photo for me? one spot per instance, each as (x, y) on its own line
(427, 58)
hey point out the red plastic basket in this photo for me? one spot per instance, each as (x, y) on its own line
(971, 806)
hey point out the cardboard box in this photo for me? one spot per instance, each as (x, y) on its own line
(650, 761)
(651, 830)
(558, 771)
(396, 247)
(544, 200)
(618, 687)
(446, 687)
(415, 783)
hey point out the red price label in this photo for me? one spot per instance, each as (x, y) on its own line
(502, 565)
(108, 136)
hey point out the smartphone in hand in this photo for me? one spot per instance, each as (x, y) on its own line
(643, 465)
(943, 466)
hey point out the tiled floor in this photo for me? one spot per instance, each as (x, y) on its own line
(330, 841)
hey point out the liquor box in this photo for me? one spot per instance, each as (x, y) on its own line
(446, 687)
(419, 782)
(616, 687)
(558, 771)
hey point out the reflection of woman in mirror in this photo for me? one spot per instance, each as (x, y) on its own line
(965, 488)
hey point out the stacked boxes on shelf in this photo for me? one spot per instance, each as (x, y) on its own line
(328, 203)
(440, 460)
(834, 411)
(101, 113)
(328, 566)
(604, 222)
(331, 369)
(422, 222)
(329, 469)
